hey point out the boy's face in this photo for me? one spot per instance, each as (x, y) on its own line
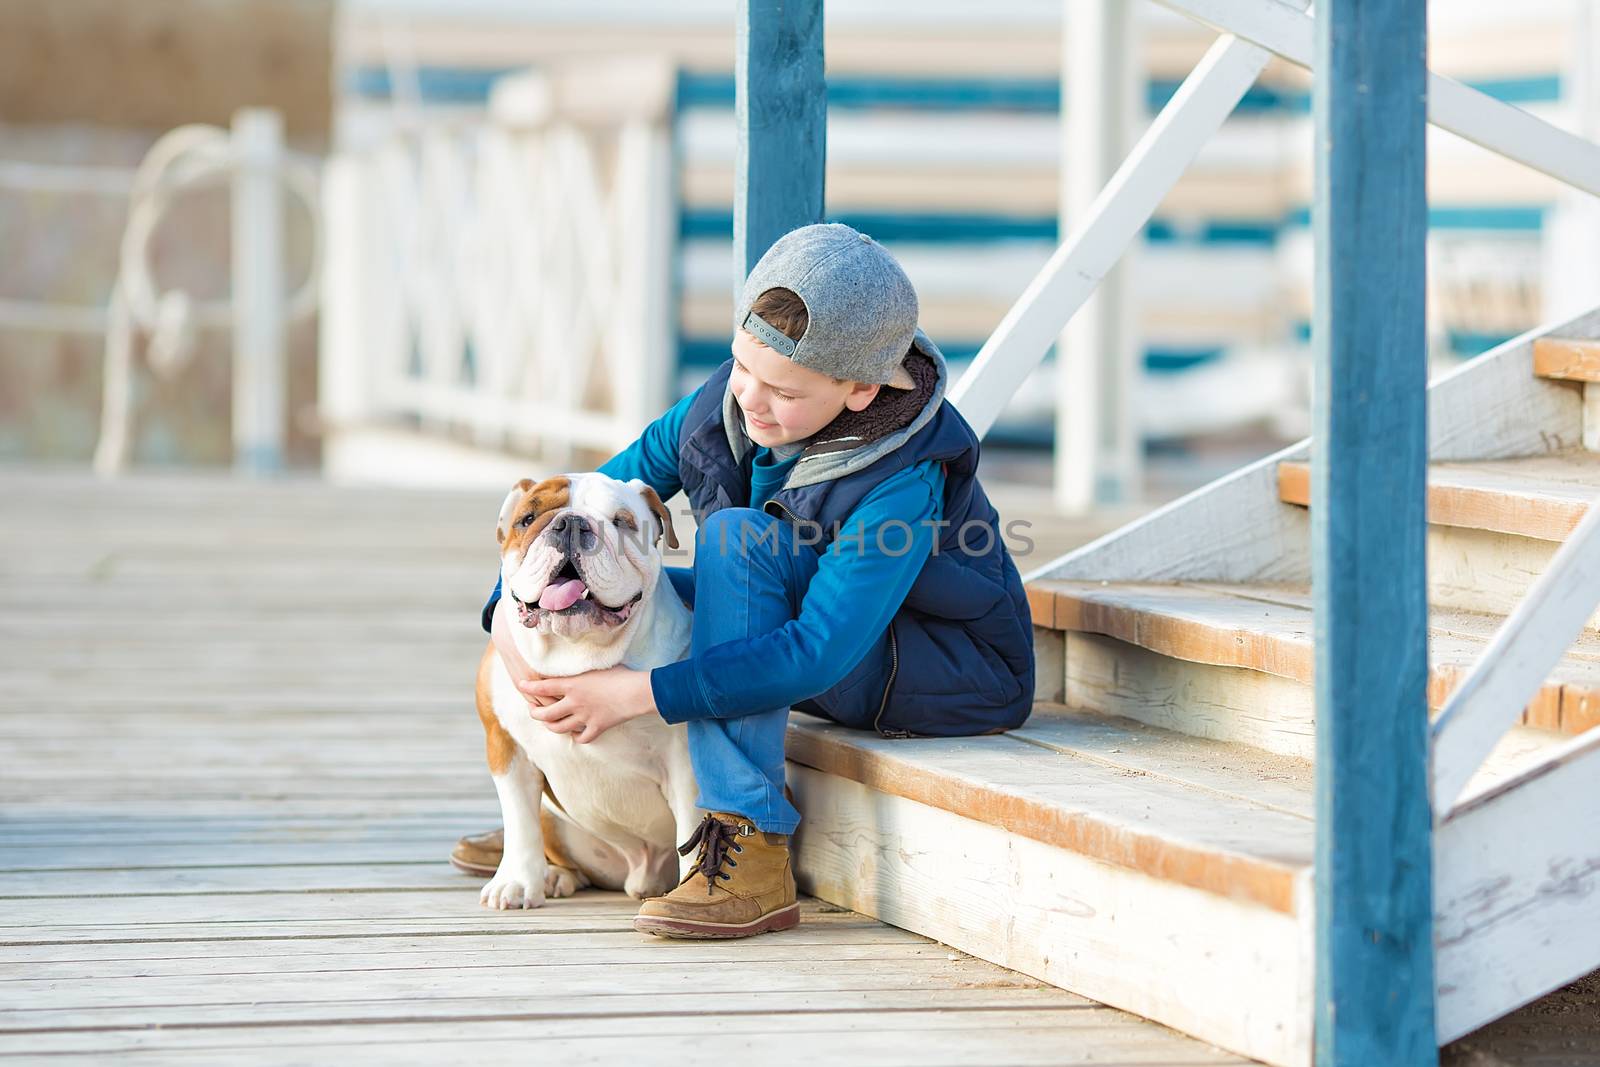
(783, 402)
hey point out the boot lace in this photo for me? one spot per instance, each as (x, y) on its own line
(715, 839)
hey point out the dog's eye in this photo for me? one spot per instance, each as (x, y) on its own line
(527, 520)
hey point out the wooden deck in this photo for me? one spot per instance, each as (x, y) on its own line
(236, 742)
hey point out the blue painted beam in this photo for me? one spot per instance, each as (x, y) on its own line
(781, 112)
(706, 353)
(947, 227)
(1374, 867)
(870, 92)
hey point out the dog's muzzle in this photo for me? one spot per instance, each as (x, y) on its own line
(567, 595)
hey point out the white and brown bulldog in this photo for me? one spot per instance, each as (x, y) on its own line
(582, 578)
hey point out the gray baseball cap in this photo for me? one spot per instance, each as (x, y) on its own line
(861, 308)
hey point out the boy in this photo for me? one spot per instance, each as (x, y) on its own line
(849, 564)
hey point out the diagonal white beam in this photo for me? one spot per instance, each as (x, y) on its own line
(1523, 653)
(1207, 97)
(1476, 116)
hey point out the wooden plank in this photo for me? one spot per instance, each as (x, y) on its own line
(1236, 705)
(1229, 770)
(1492, 498)
(1241, 975)
(1294, 482)
(1374, 915)
(356, 1012)
(1233, 848)
(1049, 659)
(315, 918)
(153, 910)
(780, 110)
(580, 917)
(1058, 1034)
(1490, 573)
(1042, 603)
(860, 938)
(449, 980)
(1196, 624)
(1267, 629)
(104, 884)
(577, 952)
(109, 854)
(1591, 417)
(23, 826)
(1567, 359)
(178, 825)
(1516, 889)
(1248, 709)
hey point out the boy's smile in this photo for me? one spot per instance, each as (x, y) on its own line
(783, 402)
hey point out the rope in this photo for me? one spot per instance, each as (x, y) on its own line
(184, 159)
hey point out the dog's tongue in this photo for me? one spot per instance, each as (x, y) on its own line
(561, 594)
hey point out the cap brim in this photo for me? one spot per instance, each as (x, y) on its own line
(901, 378)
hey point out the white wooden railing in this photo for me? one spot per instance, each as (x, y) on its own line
(1252, 32)
(252, 159)
(1490, 700)
(510, 282)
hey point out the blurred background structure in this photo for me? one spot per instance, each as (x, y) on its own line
(527, 222)
(366, 252)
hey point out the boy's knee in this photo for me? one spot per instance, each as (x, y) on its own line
(730, 524)
(736, 533)
(733, 518)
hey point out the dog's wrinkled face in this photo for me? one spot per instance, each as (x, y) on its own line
(579, 552)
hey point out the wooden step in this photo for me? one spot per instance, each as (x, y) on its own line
(1234, 662)
(1541, 497)
(1567, 359)
(1156, 872)
(1494, 525)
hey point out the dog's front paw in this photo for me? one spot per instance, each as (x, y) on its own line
(525, 889)
(561, 882)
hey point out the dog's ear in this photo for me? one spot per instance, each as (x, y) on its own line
(659, 510)
(502, 526)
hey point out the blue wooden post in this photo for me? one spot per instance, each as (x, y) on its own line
(781, 109)
(1374, 867)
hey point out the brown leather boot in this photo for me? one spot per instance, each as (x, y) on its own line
(479, 854)
(742, 883)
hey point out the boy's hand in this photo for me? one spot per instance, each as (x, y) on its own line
(593, 702)
(516, 666)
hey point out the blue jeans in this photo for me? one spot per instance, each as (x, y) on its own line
(748, 590)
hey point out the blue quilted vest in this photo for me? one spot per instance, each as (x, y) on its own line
(962, 641)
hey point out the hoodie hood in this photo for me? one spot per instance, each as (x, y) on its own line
(855, 440)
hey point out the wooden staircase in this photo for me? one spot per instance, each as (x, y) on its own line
(1147, 838)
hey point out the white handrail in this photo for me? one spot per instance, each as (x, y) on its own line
(1506, 130)
(1207, 97)
(1536, 635)
(1510, 671)
(1251, 30)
